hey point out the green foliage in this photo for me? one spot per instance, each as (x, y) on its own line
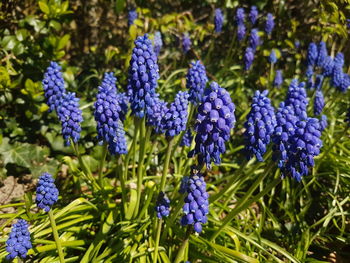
(268, 219)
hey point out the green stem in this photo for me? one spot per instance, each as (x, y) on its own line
(140, 164)
(244, 202)
(148, 202)
(83, 166)
(119, 171)
(161, 189)
(102, 161)
(159, 228)
(172, 219)
(56, 237)
(166, 164)
(180, 253)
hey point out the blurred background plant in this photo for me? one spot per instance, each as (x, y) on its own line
(297, 222)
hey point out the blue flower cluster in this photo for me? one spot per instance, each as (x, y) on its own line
(123, 101)
(196, 205)
(240, 16)
(158, 42)
(186, 42)
(278, 78)
(196, 81)
(132, 16)
(269, 24)
(142, 77)
(107, 109)
(248, 58)
(162, 206)
(297, 98)
(70, 116)
(337, 75)
(187, 138)
(273, 57)
(175, 119)
(214, 122)
(18, 243)
(284, 130)
(253, 15)
(239, 19)
(322, 54)
(318, 102)
(218, 20)
(260, 125)
(157, 113)
(53, 85)
(305, 144)
(46, 192)
(312, 54)
(254, 39)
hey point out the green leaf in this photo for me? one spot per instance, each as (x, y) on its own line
(44, 7)
(119, 6)
(63, 41)
(30, 156)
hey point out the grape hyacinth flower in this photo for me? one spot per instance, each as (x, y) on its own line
(273, 57)
(187, 138)
(46, 192)
(345, 84)
(218, 20)
(196, 205)
(260, 125)
(158, 42)
(322, 54)
(241, 32)
(196, 81)
(297, 99)
(186, 42)
(214, 122)
(269, 24)
(248, 58)
(305, 144)
(53, 85)
(184, 184)
(328, 65)
(157, 113)
(175, 119)
(319, 82)
(297, 44)
(337, 75)
(110, 80)
(253, 15)
(323, 122)
(309, 75)
(240, 16)
(162, 206)
(18, 243)
(132, 16)
(278, 78)
(142, 77)
(318, 102)
(70, 116)
(254, 39)
(123, 101)
(285, 128)
(312, 54)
